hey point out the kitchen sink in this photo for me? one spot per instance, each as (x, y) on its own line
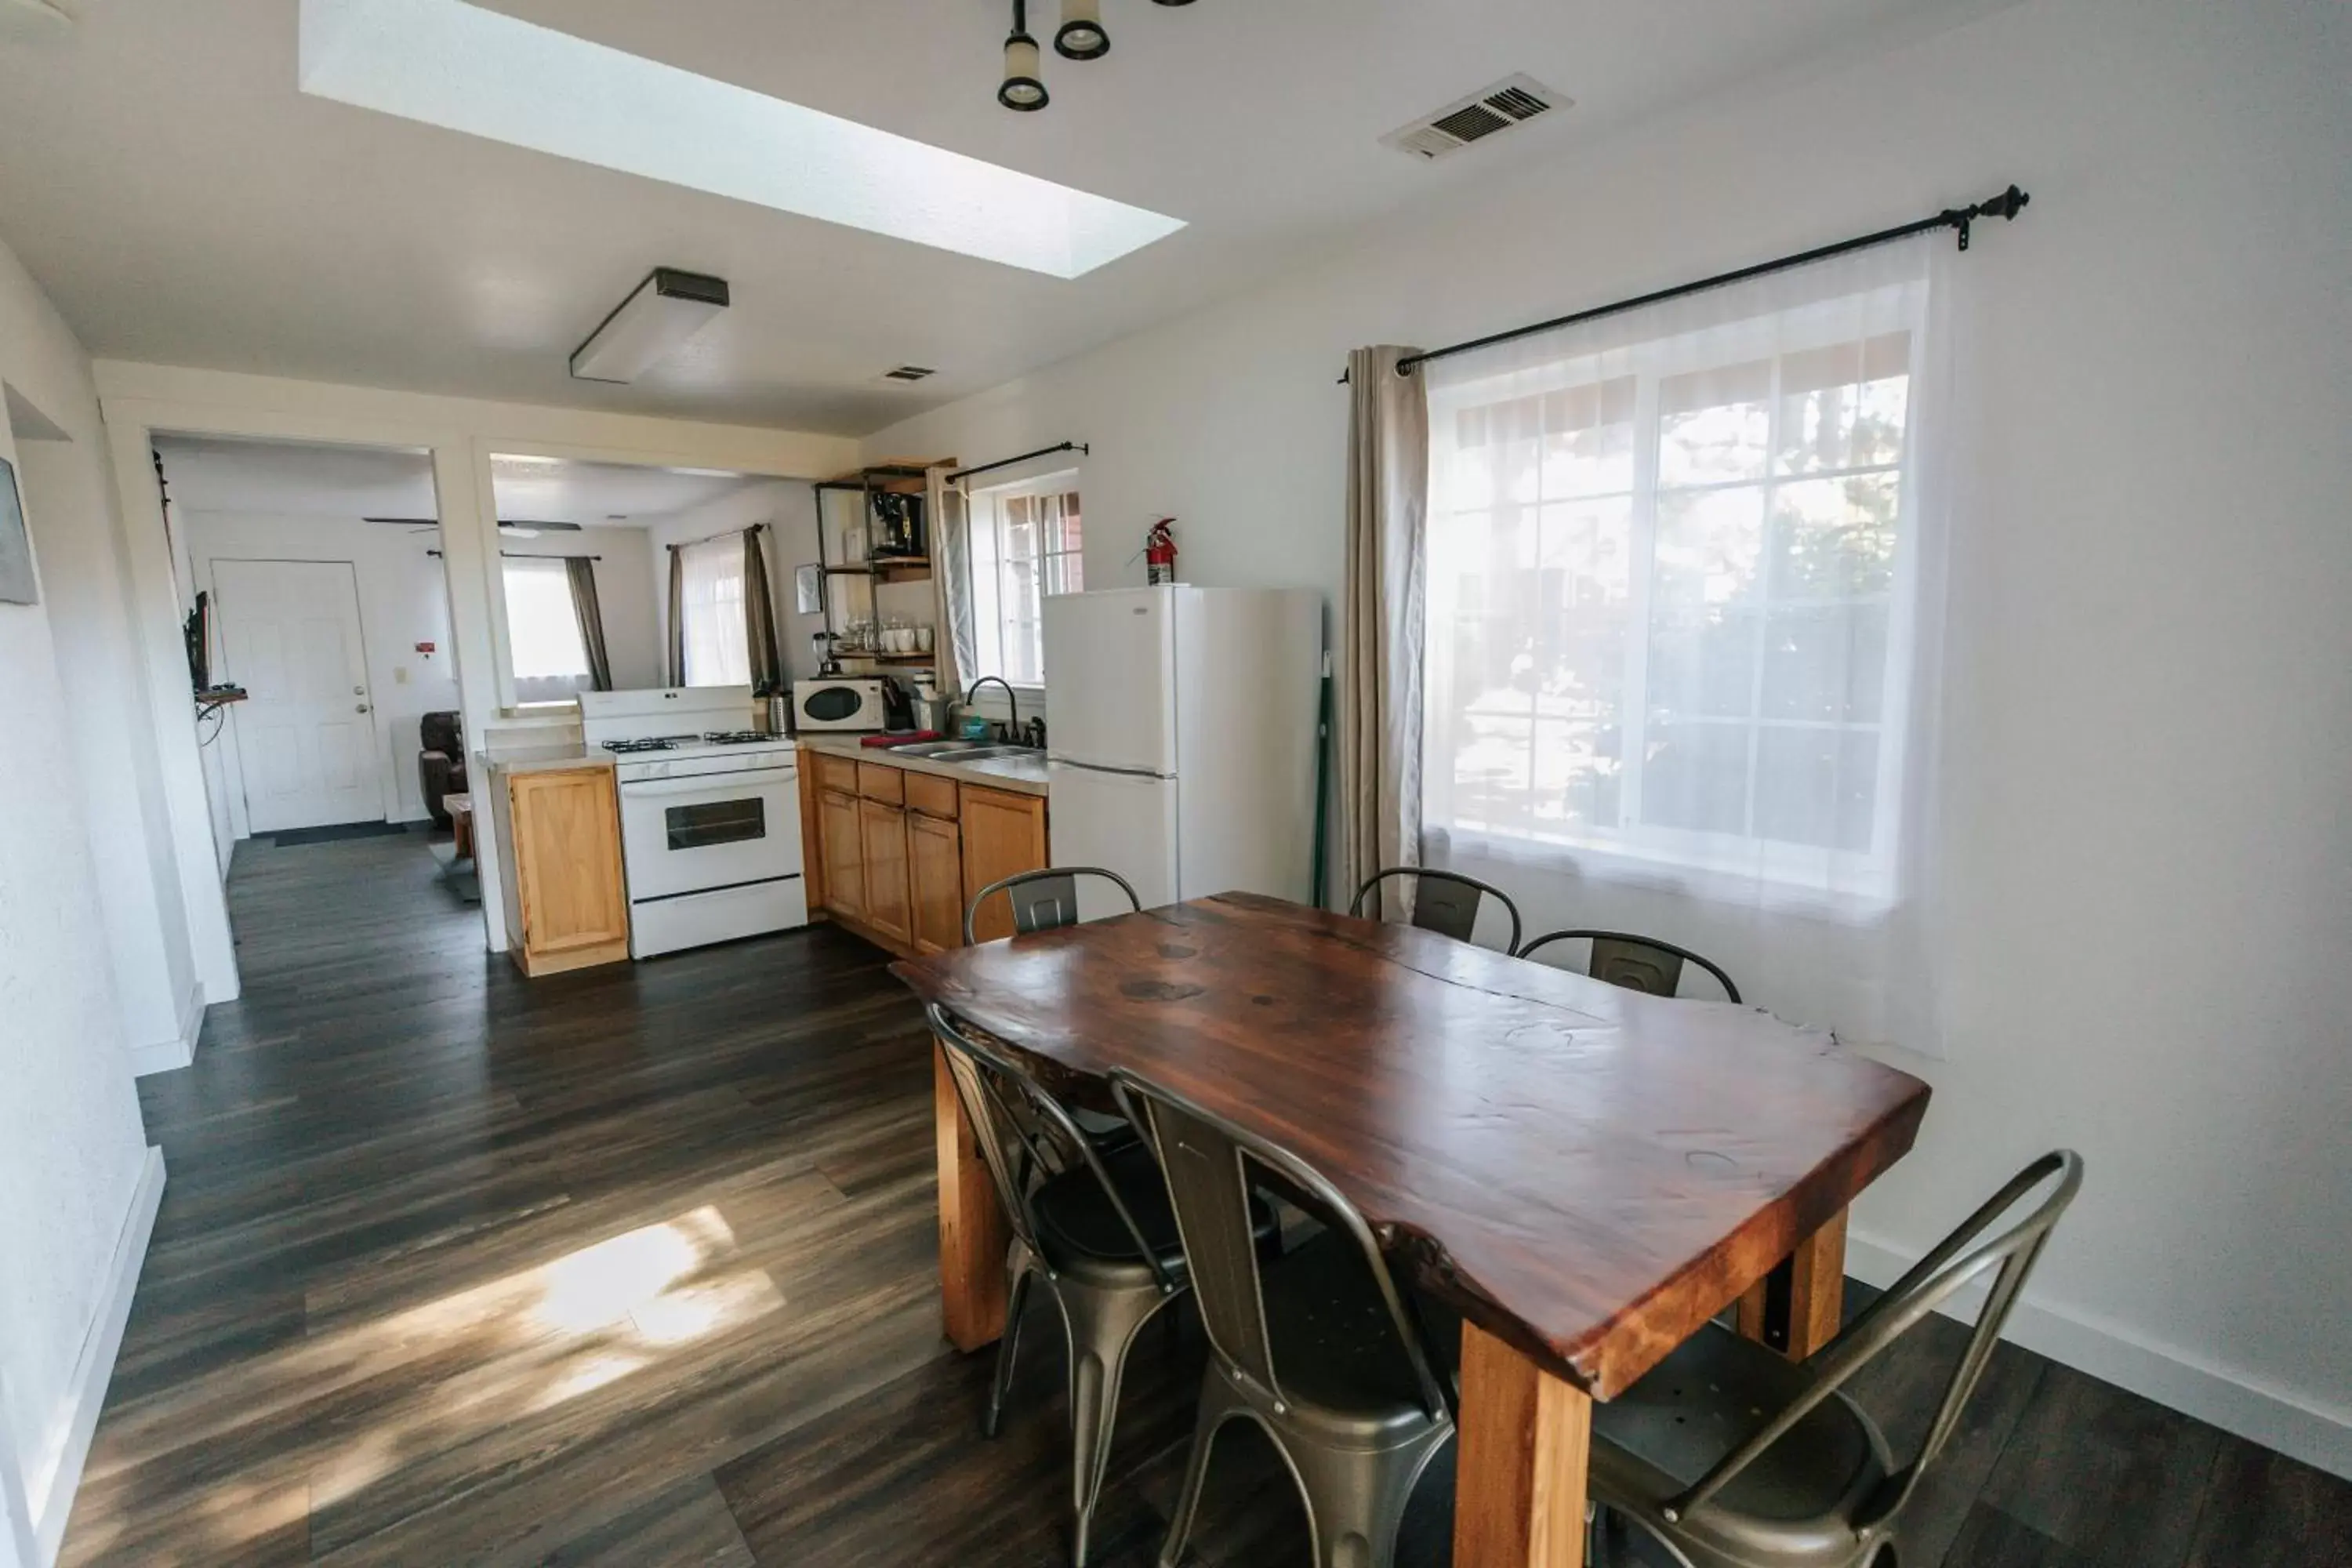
(963, 751)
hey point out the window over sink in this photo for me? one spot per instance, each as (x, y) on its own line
(1025, 545)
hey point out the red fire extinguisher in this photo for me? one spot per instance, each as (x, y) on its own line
(1160, 552)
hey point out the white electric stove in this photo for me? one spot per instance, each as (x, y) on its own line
(711, 817)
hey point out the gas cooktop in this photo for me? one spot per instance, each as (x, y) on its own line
(710, 738)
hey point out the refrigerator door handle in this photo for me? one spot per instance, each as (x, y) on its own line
(1105, 768)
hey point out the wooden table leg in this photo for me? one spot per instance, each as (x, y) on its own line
(1797, 1308)
(973, 1230)
(1525, 1438)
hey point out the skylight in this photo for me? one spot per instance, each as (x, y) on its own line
(463, 69)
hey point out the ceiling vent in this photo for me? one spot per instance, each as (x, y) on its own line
(1512, 102)
(909, 373)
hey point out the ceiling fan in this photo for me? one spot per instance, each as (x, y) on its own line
(516, 526)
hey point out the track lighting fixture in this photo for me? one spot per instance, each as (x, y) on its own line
(1023, 90)
(1082, 37)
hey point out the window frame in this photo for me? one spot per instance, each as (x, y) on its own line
(727, 549)
(985, 509)
(554, 566)
(1675, 856)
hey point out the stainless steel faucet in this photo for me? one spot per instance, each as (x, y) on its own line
(1011, 703)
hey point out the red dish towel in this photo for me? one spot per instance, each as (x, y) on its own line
(906, 740)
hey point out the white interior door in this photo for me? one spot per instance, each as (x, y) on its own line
(306, 736)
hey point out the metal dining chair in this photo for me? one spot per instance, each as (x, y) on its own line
(1636, 963)
(1044, 899)
(1682, 1457)
(1093, 1225)
(1443, 901)
(1317, 1347)
(1047, 900)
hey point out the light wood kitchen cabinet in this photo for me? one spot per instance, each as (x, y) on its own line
(900, 851)
(567, 899)
(1003, 833)
(882, 837)
(843, 857)
(935, 880)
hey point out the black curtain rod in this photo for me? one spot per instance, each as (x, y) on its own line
(526, 556)
(2005, 205)
(688, 543)
(1080, 448)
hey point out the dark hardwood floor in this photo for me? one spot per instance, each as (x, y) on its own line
(636, 1267)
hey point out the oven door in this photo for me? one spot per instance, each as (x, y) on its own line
(719, 830)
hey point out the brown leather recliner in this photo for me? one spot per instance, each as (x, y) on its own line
(441, 765)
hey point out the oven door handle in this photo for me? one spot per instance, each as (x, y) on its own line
(745, 782)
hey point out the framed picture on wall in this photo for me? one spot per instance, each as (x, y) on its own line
(16, 583)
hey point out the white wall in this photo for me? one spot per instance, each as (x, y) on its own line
(72, 1153)
(2151, 709)
(790, 506)
(403, 600)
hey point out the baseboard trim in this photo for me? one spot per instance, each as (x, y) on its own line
(170, 1056)
(2236, 1401)
(51, 1500)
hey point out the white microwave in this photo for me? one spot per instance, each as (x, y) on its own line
(839, 703)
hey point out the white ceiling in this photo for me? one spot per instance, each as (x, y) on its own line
(288, 478)
(184, 203)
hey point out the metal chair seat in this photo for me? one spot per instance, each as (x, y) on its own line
(1103, 1129)
(1081, 1234)
(1654, 1441)
(1338, 1360)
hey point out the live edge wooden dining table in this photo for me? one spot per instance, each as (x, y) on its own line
(1587, 1174)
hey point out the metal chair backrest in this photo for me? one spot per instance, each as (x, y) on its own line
(1636, 963)
(1959, 1259)
(1024, 1134)
(1043, 900)
(1206, 1160)
(1443, 901)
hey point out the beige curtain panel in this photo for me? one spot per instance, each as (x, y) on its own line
(760, 615)
(1382, 602)
(952, 639)
(579, 572)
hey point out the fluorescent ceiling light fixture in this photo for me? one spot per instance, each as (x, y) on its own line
(464, 68)
(668, 308)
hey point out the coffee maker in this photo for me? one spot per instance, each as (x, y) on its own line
(898, 525)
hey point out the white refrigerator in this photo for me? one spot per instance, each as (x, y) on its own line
(1181, 734)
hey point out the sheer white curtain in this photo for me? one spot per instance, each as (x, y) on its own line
(550, 665)
(1686, 608)
(717, 653)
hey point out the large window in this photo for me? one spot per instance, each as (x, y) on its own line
(718, 652)
(1024, 546)
(543, 631)
(1670, 604)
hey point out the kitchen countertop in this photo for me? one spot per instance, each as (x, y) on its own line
(1021, 776)
(542, 760)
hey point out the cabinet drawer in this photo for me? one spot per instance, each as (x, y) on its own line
(834, 773)
(931, 795)
(876, 782)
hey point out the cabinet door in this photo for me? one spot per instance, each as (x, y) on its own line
(567, 828)
(935, 878)
(1002, 832)
(845, 857)
(882, 831)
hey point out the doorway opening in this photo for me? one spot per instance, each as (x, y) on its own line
(319, 619)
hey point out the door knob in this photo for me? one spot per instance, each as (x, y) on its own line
(359, 692)
(360, 708)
